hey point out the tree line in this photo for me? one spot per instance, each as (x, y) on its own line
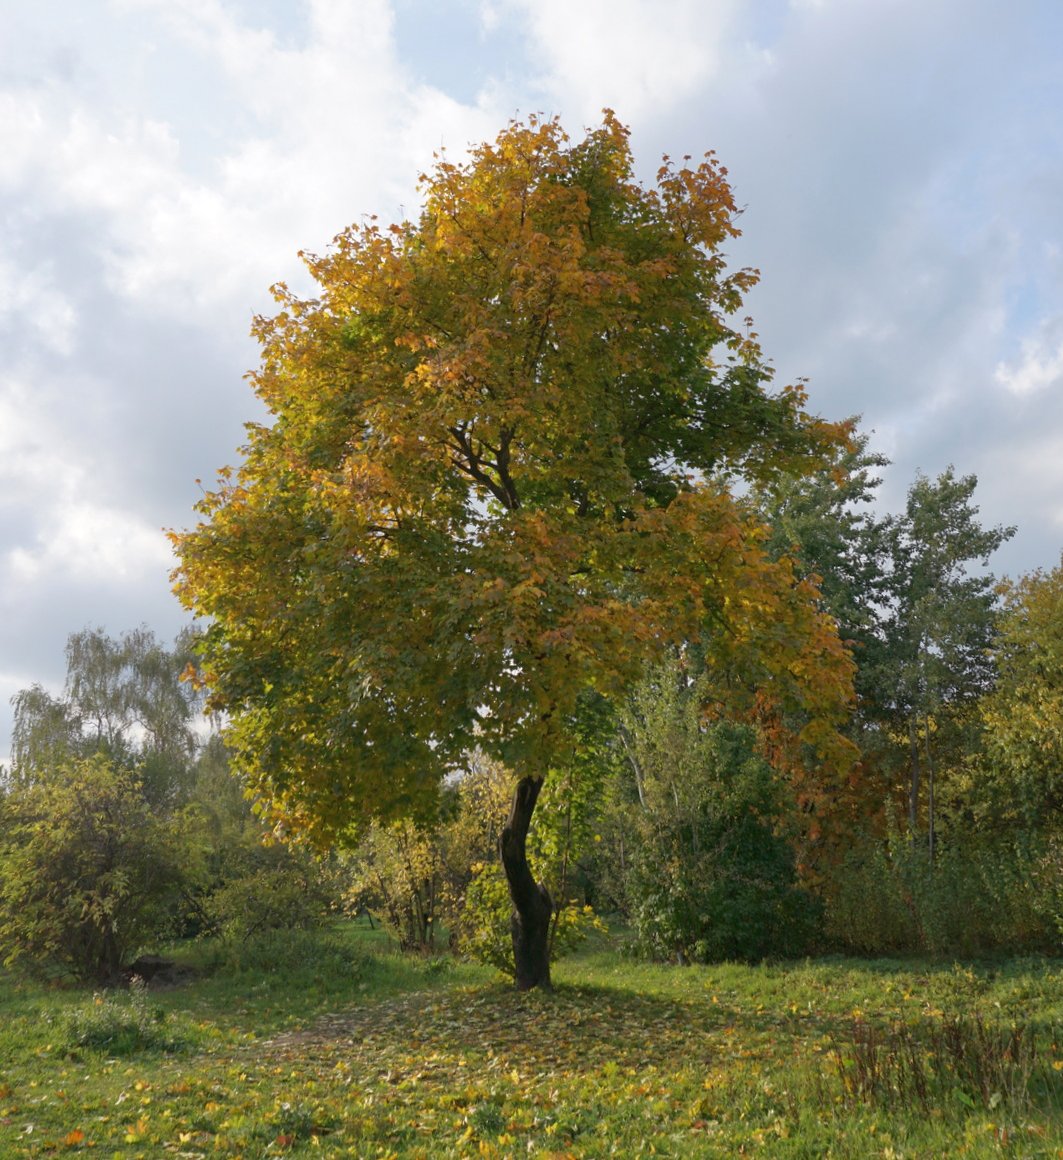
(126, 826)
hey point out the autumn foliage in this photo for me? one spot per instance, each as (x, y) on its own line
(479, 495)
(495, 483)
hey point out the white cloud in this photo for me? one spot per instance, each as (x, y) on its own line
(89, 542)
(640, 57)
(25, 137)
(490, 17)
(1040, 365)
(77, 532)
(331, 127)
(73, 161)
(29, 457)
(31, 299)
(1026, 474)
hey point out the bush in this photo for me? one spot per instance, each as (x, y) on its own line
(484, 932)
(976, 895)
(272, 888)
(89, 875)
(398, 871)
(119, 1023)
(736, 901)
(709, 878)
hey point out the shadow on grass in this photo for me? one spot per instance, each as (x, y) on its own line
(587, 1030)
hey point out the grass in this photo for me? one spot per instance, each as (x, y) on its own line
(349, 1050)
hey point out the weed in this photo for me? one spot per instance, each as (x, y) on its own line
(487, 1119)
(292, 1122)
(922, 1066)
(119, 1023)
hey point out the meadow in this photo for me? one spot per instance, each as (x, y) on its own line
(334, 1045)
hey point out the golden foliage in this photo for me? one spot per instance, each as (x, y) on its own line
(487, 484)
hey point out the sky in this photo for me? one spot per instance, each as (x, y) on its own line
(162, 162)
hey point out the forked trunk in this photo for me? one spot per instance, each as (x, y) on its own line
(532, 908)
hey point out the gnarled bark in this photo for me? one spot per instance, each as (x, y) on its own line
(532, 906)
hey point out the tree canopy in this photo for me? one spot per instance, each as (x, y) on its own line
(495, 477)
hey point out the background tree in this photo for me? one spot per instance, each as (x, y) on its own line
(1020, 775)
(913, 597)
(710, 871)
(122, 746)
(941, 625)
(123, 697)
(478, 497)
(828, 522)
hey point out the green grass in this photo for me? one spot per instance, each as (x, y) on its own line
(349, 1050)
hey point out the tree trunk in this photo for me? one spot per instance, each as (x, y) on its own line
(931, 820)
(530, 922)
(913, 785)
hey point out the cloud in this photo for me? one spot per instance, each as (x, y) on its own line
(318, 132)
(75, 535)
(87, 541)
(641, 57)
(32, 299)
(1039, 366)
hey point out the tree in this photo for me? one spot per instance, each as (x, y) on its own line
(493, 484)
(711, 871)
(1022, 769)
(942, 621)
(825, 520)
(124, 698)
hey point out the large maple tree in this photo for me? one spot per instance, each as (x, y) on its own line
(494, 484)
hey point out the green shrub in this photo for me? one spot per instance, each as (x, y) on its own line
(709, 876)
(738, 901)
(974, 896)
(870, 911)
(89, 875)
(287, 890)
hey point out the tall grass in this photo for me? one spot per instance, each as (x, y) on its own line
(955, 1061)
